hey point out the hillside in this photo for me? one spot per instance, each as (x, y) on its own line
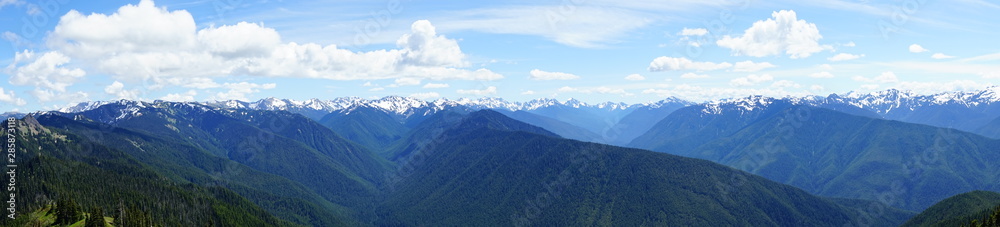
(332, 178)
(504, 176)
(62, 165)
(958, 210)
(830, 153)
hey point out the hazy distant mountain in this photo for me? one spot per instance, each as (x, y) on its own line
(492, 170)
(831, 153)
(991, 129)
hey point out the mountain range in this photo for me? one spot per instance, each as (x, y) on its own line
(872, 158)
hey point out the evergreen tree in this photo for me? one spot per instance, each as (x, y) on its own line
(67, 211)
(96, 218)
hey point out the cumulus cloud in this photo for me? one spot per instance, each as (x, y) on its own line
(43, 71)
(885, 77)
(750, 66)
(664, 63)
(941, 56)
(536, 74)
(785, 84)
(491, 90)
(145, 41)
(407, 81)
(528, 92)
(9, 97)
(782, 33)
(845, 57)
(180, 97)
(917, 49)
(239, 91)
(117, 89)
(635, 77)
(750, 80)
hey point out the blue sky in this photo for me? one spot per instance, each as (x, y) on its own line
(59, 52)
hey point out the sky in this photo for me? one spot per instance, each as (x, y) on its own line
(60, 52)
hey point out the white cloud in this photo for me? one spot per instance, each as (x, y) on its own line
(117, 89)
(823, 74)
(674, 64)
(491, 90)
(144, 41)
(783, 33)
(543, 75)
(528, 92)
(693, 76)
(885, 77)
(850, 44)
(990, 75)
(750, 80)
(406, 81)
(434, 85)
(635, 77)
(45, 71)
(240, 40)
(845, 57)
(425, 95)
(9, 97)
(239, 91)
(785, 84)
(177, 97)
(693, 32)
(377, 89)
(816, 87)
(750, 66)
(826, 67)
(941, 56)
(917, 49)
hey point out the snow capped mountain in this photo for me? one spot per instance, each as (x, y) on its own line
(743, 105)
(83, 106)
(886, 103)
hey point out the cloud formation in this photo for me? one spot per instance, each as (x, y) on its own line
(782, 33)
(914, 48)
(664, 63)
(145, 42)
(845, 57)
(537, 74)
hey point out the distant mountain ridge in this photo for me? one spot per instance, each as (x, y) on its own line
(619, 123)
